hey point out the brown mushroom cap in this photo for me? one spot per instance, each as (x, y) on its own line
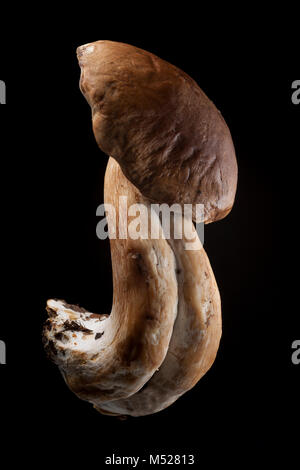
(168, 137)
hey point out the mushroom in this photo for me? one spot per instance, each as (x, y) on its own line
(167, 144)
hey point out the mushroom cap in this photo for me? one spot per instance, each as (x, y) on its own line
(169, 139)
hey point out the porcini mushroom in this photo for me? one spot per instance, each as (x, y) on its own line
(167, 144)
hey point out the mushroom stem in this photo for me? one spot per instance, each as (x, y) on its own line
(105, 358)
(195, 339)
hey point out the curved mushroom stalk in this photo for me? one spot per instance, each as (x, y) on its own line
(168, 144)
(195, 338)
(109, 357)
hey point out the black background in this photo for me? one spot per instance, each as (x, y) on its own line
(52, 181)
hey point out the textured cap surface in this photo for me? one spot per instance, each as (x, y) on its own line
(168, 137)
